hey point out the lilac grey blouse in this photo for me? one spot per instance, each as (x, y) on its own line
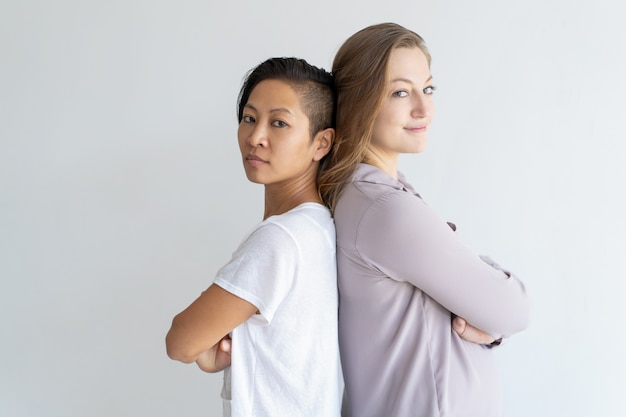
(402, 274)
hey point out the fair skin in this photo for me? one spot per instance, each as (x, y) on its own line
(277, 151)
(470, 333)
(401, 126)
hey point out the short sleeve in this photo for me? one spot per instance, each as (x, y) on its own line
(262, 270)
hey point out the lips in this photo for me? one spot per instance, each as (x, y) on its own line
(253, 158)
(417, 128)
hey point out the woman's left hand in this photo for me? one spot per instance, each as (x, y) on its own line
(217, 358)
(470, 333)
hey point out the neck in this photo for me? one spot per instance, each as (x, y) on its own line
(281, 199)
(387, 163)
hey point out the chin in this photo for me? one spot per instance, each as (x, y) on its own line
(253, 179)
(417, 149)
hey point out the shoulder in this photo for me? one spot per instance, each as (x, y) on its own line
(374, 215)
(308, 220)
(361, 199)
(306, 212)
(371, 187)
(374, 218)
(307, 215)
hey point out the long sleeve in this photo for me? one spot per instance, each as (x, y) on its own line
(406, 240)
(402, 271)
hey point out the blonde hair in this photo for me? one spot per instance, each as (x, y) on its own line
(360, 69)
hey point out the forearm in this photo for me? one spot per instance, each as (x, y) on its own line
(205, 322)
(180, 346)
(407, 241)
(490, 299)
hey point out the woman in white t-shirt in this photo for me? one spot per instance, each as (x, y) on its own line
(269, 320)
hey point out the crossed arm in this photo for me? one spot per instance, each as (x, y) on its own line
(218, 357)
(200, 332)
(427, 254)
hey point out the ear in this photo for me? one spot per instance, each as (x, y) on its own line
(323, 142)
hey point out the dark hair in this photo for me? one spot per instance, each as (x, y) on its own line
(360, 70)
(314, 86)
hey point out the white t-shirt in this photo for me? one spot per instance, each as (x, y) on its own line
(285, 360)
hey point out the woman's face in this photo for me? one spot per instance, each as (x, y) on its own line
(402, 124)
(274, 137)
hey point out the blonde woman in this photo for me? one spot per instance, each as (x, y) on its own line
(409, 288)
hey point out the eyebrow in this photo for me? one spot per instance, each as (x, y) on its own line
(406, 80)
(275, 110)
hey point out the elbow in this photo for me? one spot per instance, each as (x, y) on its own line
(173, 349)
(173, 352)
(519, 310)
(520, 321)
(506, 318)
(176, 348)
(178, 353)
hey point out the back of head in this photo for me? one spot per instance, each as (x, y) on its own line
(360, 68)
(314, 87)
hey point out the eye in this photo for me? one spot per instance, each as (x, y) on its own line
(247, 119)
(279, 123)
(429, 90)
(400, 93)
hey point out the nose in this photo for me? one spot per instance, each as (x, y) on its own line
(422, 106)
(256, 135)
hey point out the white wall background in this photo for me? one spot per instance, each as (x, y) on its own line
(121, 190)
